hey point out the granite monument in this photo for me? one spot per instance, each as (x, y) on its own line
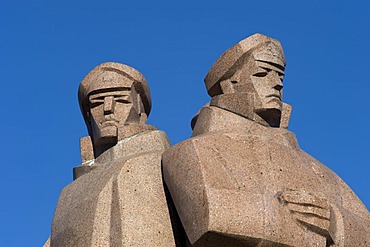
(242, 179)
(117, 197)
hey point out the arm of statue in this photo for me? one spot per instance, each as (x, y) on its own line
(339, 226)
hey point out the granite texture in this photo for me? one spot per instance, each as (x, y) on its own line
(86, 148)
(242, 179)
(121, 202)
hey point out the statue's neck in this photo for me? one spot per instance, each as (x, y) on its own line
(212, 119)
(241, 104)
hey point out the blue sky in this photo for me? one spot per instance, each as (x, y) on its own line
(47, 47)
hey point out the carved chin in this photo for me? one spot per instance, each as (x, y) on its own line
(272, 103)
(107, 135)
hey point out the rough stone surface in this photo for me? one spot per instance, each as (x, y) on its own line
(86, 148)
(242, 179)
(118, 197)
(87, 157)
(120, 202)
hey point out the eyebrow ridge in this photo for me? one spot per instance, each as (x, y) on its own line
(107, 94)
(278, 66)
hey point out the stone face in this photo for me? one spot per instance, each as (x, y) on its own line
(233, 58)
(242, 179)
(113, 96)
(118, 197)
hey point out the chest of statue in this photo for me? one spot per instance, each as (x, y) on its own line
(118, 202)
(238, 177)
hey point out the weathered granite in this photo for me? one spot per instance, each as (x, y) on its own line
(118, 196)
(242, 179)
(120, 202)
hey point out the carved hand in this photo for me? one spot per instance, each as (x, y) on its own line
(309, 210)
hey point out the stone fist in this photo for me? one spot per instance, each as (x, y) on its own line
(309, 210)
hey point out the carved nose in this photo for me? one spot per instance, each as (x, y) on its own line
(108, 105)
(278, 84)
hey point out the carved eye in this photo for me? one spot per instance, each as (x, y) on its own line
(96, 101)
(122, 99)
(261, 74)
(234, 82)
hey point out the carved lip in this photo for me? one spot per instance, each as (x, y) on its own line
(274, 96)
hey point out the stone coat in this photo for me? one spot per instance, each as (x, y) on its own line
(225, 182)
(119, 203)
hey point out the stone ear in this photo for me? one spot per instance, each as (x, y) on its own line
(139, 105)
(227, 86)
(88, 122)
(141, 110)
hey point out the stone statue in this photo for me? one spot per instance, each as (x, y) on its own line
(242, 179)
(118, 197)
